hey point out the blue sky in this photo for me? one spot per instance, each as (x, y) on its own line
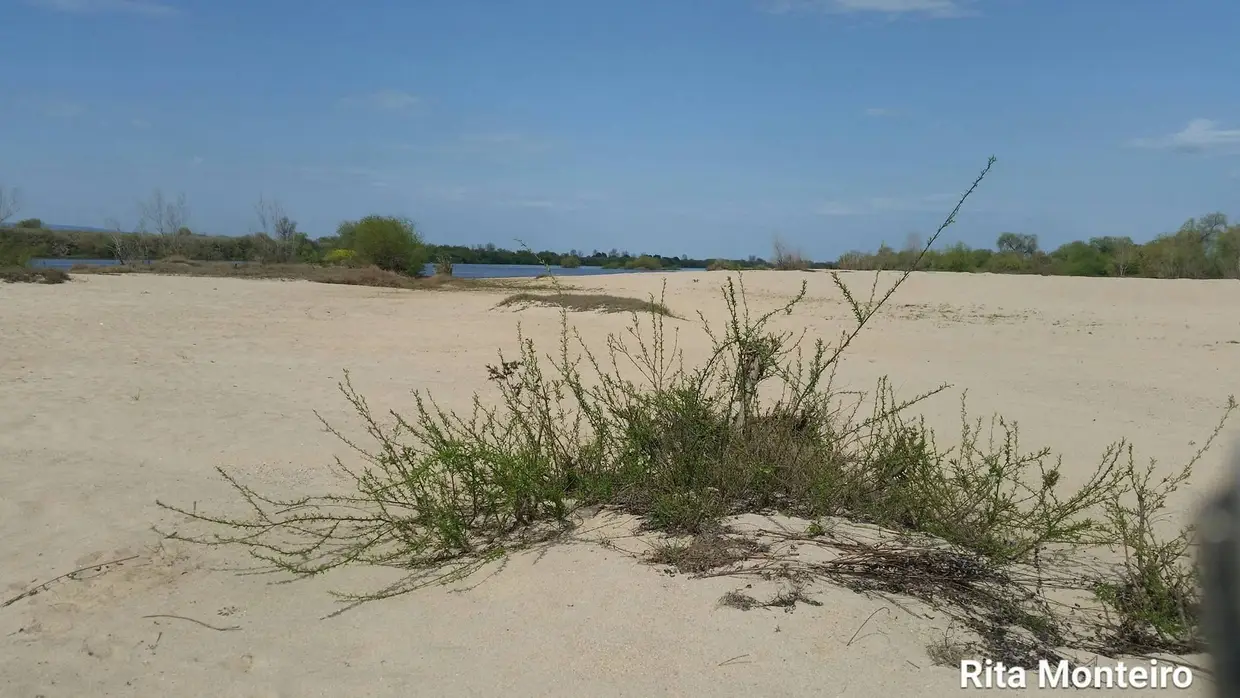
(699, 127)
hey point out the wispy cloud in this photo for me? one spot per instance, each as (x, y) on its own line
(892, 8)
(453, 194)
(336, 174)
(885, 204)
(505, 142)
(148, 8)
(385, 100)
(542, 204)
(1199, 136)
(836, 208)
(55, 108)
(491, 144)
(64, 110)
(879, 111)
(196, 161)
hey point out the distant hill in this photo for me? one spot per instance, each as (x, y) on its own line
(86, 228)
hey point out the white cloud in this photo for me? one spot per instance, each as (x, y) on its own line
(148, 8)
(880, 111)
(891, 8)
(1199, 136)
(196, 161)
(386, 100)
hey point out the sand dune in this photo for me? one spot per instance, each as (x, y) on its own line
(120, 390)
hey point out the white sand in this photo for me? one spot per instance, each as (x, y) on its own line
(120, 390)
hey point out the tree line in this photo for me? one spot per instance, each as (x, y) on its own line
(1207, 247)
(293, 246)
(1203, 248)
(163, 230)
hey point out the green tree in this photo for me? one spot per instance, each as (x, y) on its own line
(1178, 256)
(30, 223)
(1226, 252)
(387, 242)
(1123, 255)
(570, 261)
(1019, 243)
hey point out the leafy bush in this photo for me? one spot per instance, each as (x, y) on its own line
(390, 243)
(645, 262)
(1082, 259)
(14, 254)
(339, 256)
(29, 223)
(570, 261)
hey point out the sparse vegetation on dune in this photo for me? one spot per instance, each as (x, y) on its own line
(32, 276)
(985, 530)
(350, 275)
(588, 302)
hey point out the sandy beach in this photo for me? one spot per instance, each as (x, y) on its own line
(120, 390)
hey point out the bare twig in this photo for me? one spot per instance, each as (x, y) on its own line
(867, 620)
(727, 662)
(68, 575)
(194, 620)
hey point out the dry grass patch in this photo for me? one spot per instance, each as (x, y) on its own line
(588, 302)
(32, 276)
(704, 553)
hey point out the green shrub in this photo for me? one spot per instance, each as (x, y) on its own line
(390, 243)
(1007, 263)
(570, 261)
(1081, 259)
(29, 223)
(13, 253)
(645, 262)
(339, 256)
